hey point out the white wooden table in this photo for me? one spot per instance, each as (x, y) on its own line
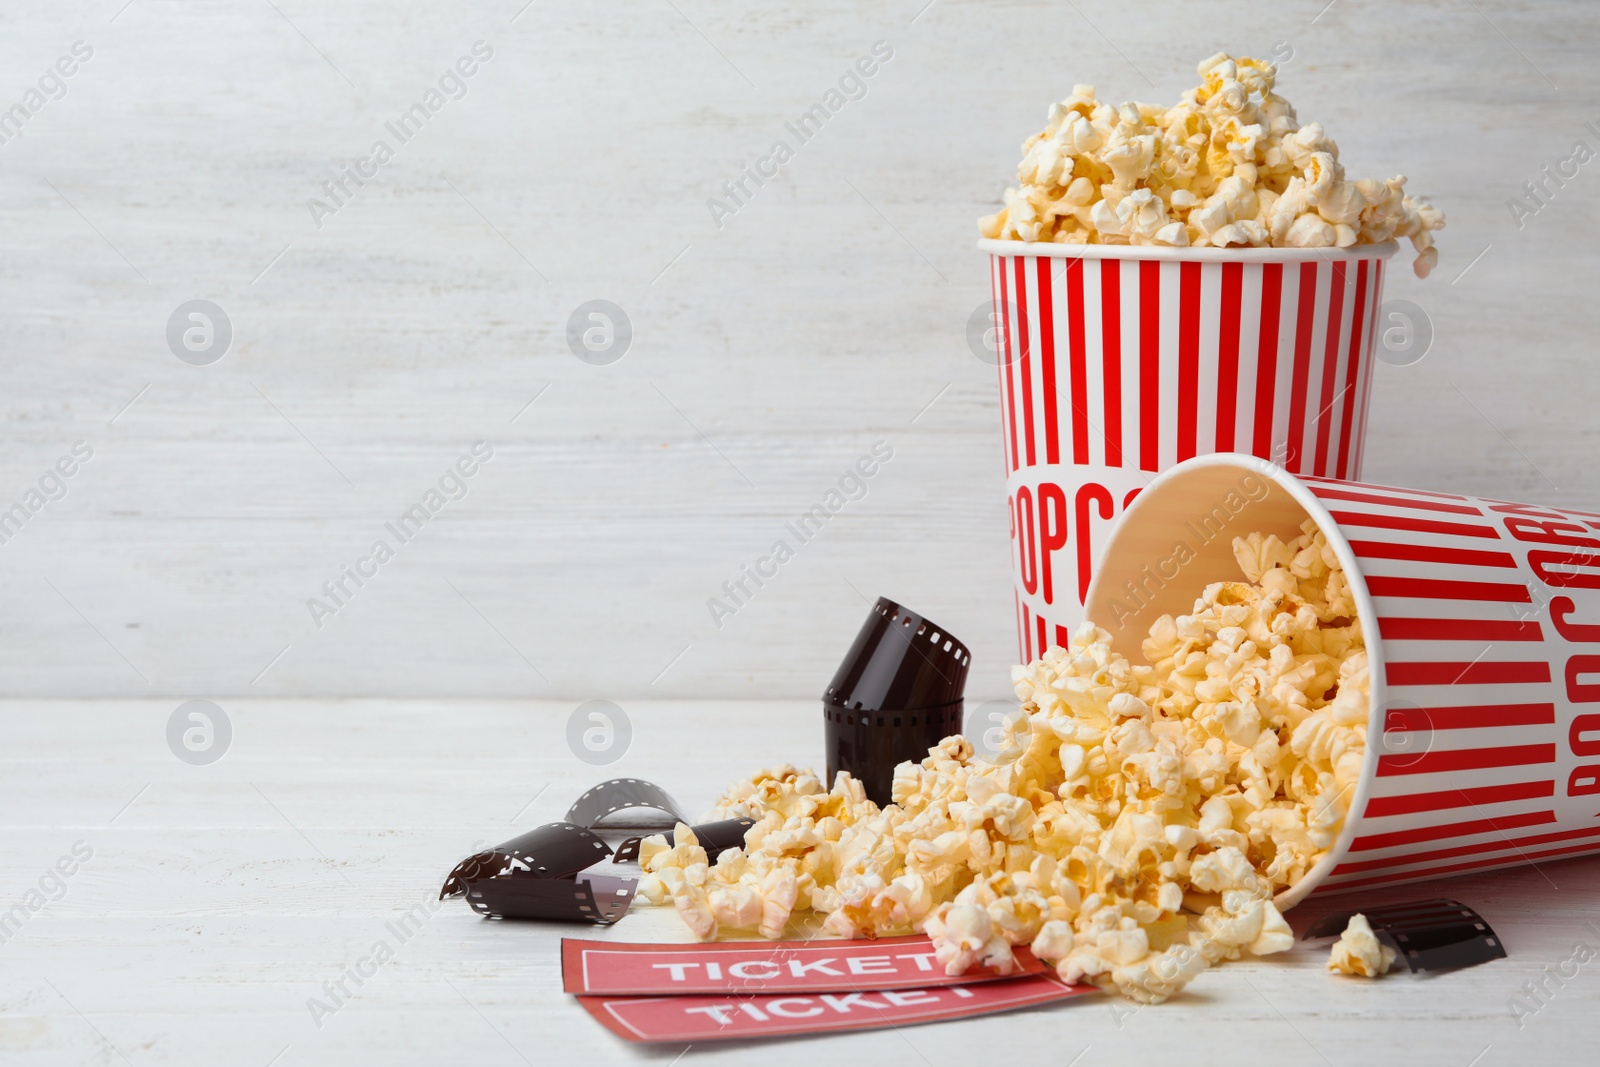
(220, 898)
(769, 354)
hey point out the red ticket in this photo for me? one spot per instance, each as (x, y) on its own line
(763, 966)
(713, 1018)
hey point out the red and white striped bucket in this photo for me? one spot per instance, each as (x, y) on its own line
(1117, 362)
(1482, 625)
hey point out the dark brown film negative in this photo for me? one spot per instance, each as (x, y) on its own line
(554, 850)
(621, 794)
(715, 837)
(542, 874)
(596, 898)
(1430, 935)
(869, 744)
(898, 692)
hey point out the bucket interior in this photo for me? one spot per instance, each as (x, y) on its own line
(1193, 512)
(1177, 538)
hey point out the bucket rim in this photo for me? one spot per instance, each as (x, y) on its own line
(1052, 250)
(1366, 612)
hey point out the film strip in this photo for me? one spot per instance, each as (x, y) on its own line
(554, 850)
(1430, 935)
(715, 837)
(899, 691)
(545, 873)
(621, 794)
(595, 898)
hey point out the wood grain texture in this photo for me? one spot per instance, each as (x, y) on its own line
(769, 353)
(219, 899)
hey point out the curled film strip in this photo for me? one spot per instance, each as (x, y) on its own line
(1430, 935)
(899, 691)
(545, 873)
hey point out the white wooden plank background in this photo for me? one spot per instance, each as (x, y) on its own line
(222, 897)
(826, 314)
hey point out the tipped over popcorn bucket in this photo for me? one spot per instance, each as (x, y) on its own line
(1482, 628)
(1117, 362)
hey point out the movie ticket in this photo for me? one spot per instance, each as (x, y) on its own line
(716, 1018)
(610, 967)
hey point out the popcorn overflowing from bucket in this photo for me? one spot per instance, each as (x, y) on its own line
(1139, 835)
(1228, 165)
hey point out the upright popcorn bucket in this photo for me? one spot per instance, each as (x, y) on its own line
(1117, 362)
(1482, 626)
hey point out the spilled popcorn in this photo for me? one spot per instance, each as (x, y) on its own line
(1358, 951)
(1228, 165)
(1139, 836)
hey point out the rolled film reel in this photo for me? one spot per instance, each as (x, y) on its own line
(715, 837)
(621, 794)
(898, 692)
(1430, 935)
(545, 873)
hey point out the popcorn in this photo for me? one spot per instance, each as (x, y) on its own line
(1151, 812)
(965, 937)
(1359, 952)
(1228, 166)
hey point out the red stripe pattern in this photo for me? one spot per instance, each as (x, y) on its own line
(1491, 726)
(1114, 369)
